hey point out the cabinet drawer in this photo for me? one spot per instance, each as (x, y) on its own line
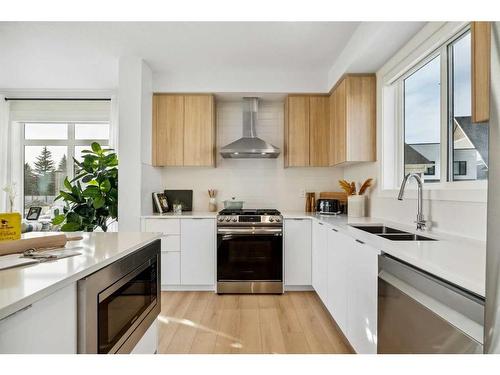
(171, 243)
(165, 226)
(170, 268)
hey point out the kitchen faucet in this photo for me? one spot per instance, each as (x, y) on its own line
(420, 216)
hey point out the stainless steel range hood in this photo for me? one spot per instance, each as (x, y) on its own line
(250, 146)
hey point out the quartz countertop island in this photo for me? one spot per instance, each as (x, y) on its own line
(22, 286)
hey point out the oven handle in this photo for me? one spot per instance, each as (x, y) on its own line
(276, 231)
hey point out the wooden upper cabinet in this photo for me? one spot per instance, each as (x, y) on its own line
(481, 39)
(306, 131)
(319, 131)
(297, 131)
(183, 130)
(199, 130)
(353, 120)
(168, 130)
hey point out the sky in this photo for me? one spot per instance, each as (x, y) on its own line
(60, 131)
(422, 95)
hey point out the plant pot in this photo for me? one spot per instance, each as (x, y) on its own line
(356, 205)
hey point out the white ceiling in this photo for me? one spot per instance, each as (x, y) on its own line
(72, 55)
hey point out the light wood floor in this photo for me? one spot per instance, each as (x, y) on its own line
(204, 322)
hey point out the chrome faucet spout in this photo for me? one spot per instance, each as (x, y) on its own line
(420, 216)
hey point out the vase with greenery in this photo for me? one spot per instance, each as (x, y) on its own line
(91, 198)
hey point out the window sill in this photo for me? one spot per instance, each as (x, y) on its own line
(467, 191)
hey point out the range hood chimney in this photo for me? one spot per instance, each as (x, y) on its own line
(250, 146)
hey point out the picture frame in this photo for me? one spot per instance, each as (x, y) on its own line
(34, 213)
(160, 203)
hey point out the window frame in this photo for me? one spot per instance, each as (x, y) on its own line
(390, 153)
(70, 143)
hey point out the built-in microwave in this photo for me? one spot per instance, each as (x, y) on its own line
(118, 303)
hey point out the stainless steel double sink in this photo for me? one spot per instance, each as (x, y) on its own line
(392, 233)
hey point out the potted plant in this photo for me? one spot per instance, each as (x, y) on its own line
(92, 196)
(356, 200)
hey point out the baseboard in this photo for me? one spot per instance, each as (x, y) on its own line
(298, 288)
(188, 288)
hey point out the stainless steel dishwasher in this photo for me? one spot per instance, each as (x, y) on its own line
(420, 313)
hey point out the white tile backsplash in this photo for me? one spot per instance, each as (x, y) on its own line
(259, 182)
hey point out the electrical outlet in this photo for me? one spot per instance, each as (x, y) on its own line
(302, 193)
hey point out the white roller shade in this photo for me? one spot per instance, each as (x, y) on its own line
(64, 110)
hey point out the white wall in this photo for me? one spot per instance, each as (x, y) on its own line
(252, 80)
(135, 119)
(259, 182)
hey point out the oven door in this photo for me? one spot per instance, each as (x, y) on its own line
(249, 254)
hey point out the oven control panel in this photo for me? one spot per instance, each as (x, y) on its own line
(249, 219)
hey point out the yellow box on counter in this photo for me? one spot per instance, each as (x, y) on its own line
(10, 226)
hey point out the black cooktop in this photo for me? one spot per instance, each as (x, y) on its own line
(243, 212)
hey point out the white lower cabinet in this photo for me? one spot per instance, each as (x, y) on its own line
(48, 326)
(362, 298)
(351, 297)
(338, 273)
(198, 251)
(297, 245)
(170, 268)
(319, 260)
(188, 251)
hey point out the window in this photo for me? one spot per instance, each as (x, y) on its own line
(460, 168)
(48, 151)
(468, 142)
(422, 121)
(437, 138)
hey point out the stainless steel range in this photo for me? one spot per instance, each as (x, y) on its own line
(250, 251)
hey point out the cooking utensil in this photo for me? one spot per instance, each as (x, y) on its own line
(37, 243)
(233, 204)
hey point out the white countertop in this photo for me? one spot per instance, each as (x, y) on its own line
(183, 215)
(22, 286)
(461, 261)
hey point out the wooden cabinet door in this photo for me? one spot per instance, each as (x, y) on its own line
(168, 130)
(297, 244)
(199, 130)
(362, 298)
(319, 131)
(338, 277)
(198, 251)
(360, 122)
(481, 40)
(297, 132)
(338, 120)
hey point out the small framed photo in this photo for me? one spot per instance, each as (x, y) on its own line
(34, 213)
(160, 203)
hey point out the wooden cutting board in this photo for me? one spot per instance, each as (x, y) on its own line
(341, 196)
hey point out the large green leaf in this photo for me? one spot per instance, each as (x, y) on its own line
(105, 186)
(58, 219)
(99, 202)
(70, 227)
(67, 185)
(68, 197)
(96, 147)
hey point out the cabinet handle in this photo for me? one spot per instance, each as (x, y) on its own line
(359, 241)
(335, 230)
(320, 223)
